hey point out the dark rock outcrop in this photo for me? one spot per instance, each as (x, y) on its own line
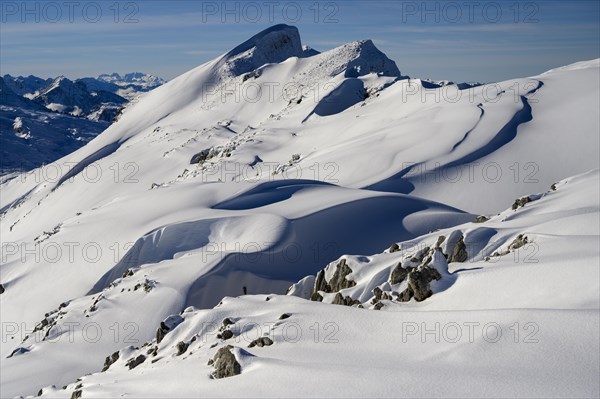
(260, 342)
(459, 253)
(200, 157)
(418, 258)
(320, 285)
(153, 351)
(127, 273)
(316, 297)
(518, 242)
(398, 274)
(161, 332)
(339, 299)
(418, 281)
(110, 360)
(182, 347)
(394, 248)
(225, 363)
(225, 335)
(439, 241)
(406, 295)
(227, 322)
(135, 361)
(338, 281)
(520, 202)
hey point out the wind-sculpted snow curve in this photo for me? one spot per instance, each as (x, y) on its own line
(321, 237)
(405, 181)
(87, 161)
(268, 193)
(347, 94)
(505, 135)
(480, 106)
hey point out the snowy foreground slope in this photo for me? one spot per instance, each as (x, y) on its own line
(253, 172)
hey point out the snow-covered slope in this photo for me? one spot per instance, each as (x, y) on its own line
(257, 169)
(503, 318)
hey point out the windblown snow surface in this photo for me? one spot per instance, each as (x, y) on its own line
(389, 202)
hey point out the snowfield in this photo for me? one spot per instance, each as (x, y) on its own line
(279, 216)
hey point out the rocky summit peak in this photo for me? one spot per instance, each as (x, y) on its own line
(272, 45)
(368, 58)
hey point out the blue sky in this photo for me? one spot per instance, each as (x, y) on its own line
(460, 41)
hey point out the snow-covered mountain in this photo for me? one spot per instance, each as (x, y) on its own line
(129, 86)
(66, 96)
(432, 240)
(140, 79)
(37, 115)
(32, 135)
(29, 85)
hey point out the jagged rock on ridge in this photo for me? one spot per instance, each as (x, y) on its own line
(339, 281)
(110, 360)
(520, 202)
(135, 361)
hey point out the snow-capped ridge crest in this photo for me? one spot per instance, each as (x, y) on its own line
(273, 45)
(280, 42)
(366, 58)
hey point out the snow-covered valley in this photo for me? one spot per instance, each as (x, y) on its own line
(279, 216)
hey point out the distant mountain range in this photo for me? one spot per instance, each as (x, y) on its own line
(42, 120)
(83, 97)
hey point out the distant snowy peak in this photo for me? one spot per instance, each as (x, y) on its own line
(273, 45)
(365, 58)
(138, 78)
(61, 82)
(129, 86)
(64, 95)
(9, 98)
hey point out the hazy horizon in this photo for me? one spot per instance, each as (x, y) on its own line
(470, 41)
